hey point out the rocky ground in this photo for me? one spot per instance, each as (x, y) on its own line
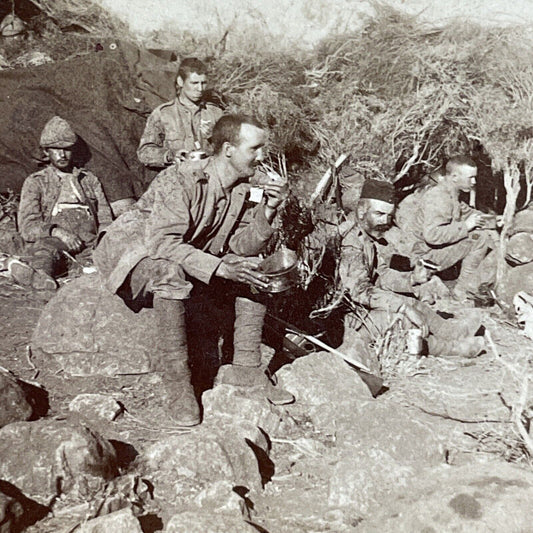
(85, 447)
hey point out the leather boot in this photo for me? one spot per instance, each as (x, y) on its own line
(466, 347)
(254, 379)
(27, 276)
(171, 361)
(246, 370)
(459, 327)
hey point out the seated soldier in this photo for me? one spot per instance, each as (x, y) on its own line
(443, 229)
(195, 225)
(62, 207)
(182, 126)
(377, 291)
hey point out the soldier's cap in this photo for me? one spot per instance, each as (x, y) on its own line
(57, 133)
(378, 190)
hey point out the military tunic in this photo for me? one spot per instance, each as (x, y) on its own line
(41, 191)
(172, 127)
(186, 223)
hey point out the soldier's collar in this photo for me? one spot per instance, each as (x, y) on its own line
(380, 240)
(199, 105)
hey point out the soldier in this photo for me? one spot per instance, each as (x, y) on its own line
(194, 225)
(183, 125)
(444, 229)
(379, 291)
(62, 207)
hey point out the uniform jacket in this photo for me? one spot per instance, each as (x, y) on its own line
(185, 217)
(438, 220)
(40, 193)
(173, 126)
(365, 271)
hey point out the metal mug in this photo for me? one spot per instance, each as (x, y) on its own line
(414, 341)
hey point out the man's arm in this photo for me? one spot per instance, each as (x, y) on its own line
(151, 151)
(30, 217)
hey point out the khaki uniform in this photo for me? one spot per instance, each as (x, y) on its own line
(173, 127)
(50, 198)
(375, 287)
(178, 230)
(439, 234)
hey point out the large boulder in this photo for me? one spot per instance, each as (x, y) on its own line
(477, 497)
(205, 465)
(14, 405)
(17, 511)
(226, 405)
(48, 458)
(89, 331)
(381, 448)
(325, 387)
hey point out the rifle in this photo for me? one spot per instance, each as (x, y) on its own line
(373, 382)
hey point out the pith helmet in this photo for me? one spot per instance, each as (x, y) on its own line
(11, 25)
(57, 133)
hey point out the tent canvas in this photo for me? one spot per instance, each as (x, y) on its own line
(105, 94)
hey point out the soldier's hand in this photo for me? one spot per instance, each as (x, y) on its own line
(71, 240)
(420, 274)
(181, 155)
(276, 191)
(417, 319)
(475, 220)
(242, 270)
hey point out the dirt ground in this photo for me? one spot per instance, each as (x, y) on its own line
(468, 402)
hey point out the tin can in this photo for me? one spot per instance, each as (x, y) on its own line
(414, 341)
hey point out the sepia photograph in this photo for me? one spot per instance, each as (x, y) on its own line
(266, 266)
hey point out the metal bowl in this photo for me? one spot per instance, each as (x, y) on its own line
(281, 270)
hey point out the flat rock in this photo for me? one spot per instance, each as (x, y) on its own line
(89, 331)
(325, 388)
(197, 522)
(14, 406)
(382, 447)
(47, 458)
(96, 406)
(122, 521)
(495, 497)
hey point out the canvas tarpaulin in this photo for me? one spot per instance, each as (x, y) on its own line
(105, 94)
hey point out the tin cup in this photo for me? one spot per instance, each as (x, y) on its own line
(414, 341)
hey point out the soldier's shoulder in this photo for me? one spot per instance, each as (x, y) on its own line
(183, 176)
(162, 107)
(86, 174)
(38, 175)
(213, 108)
(350, 232)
